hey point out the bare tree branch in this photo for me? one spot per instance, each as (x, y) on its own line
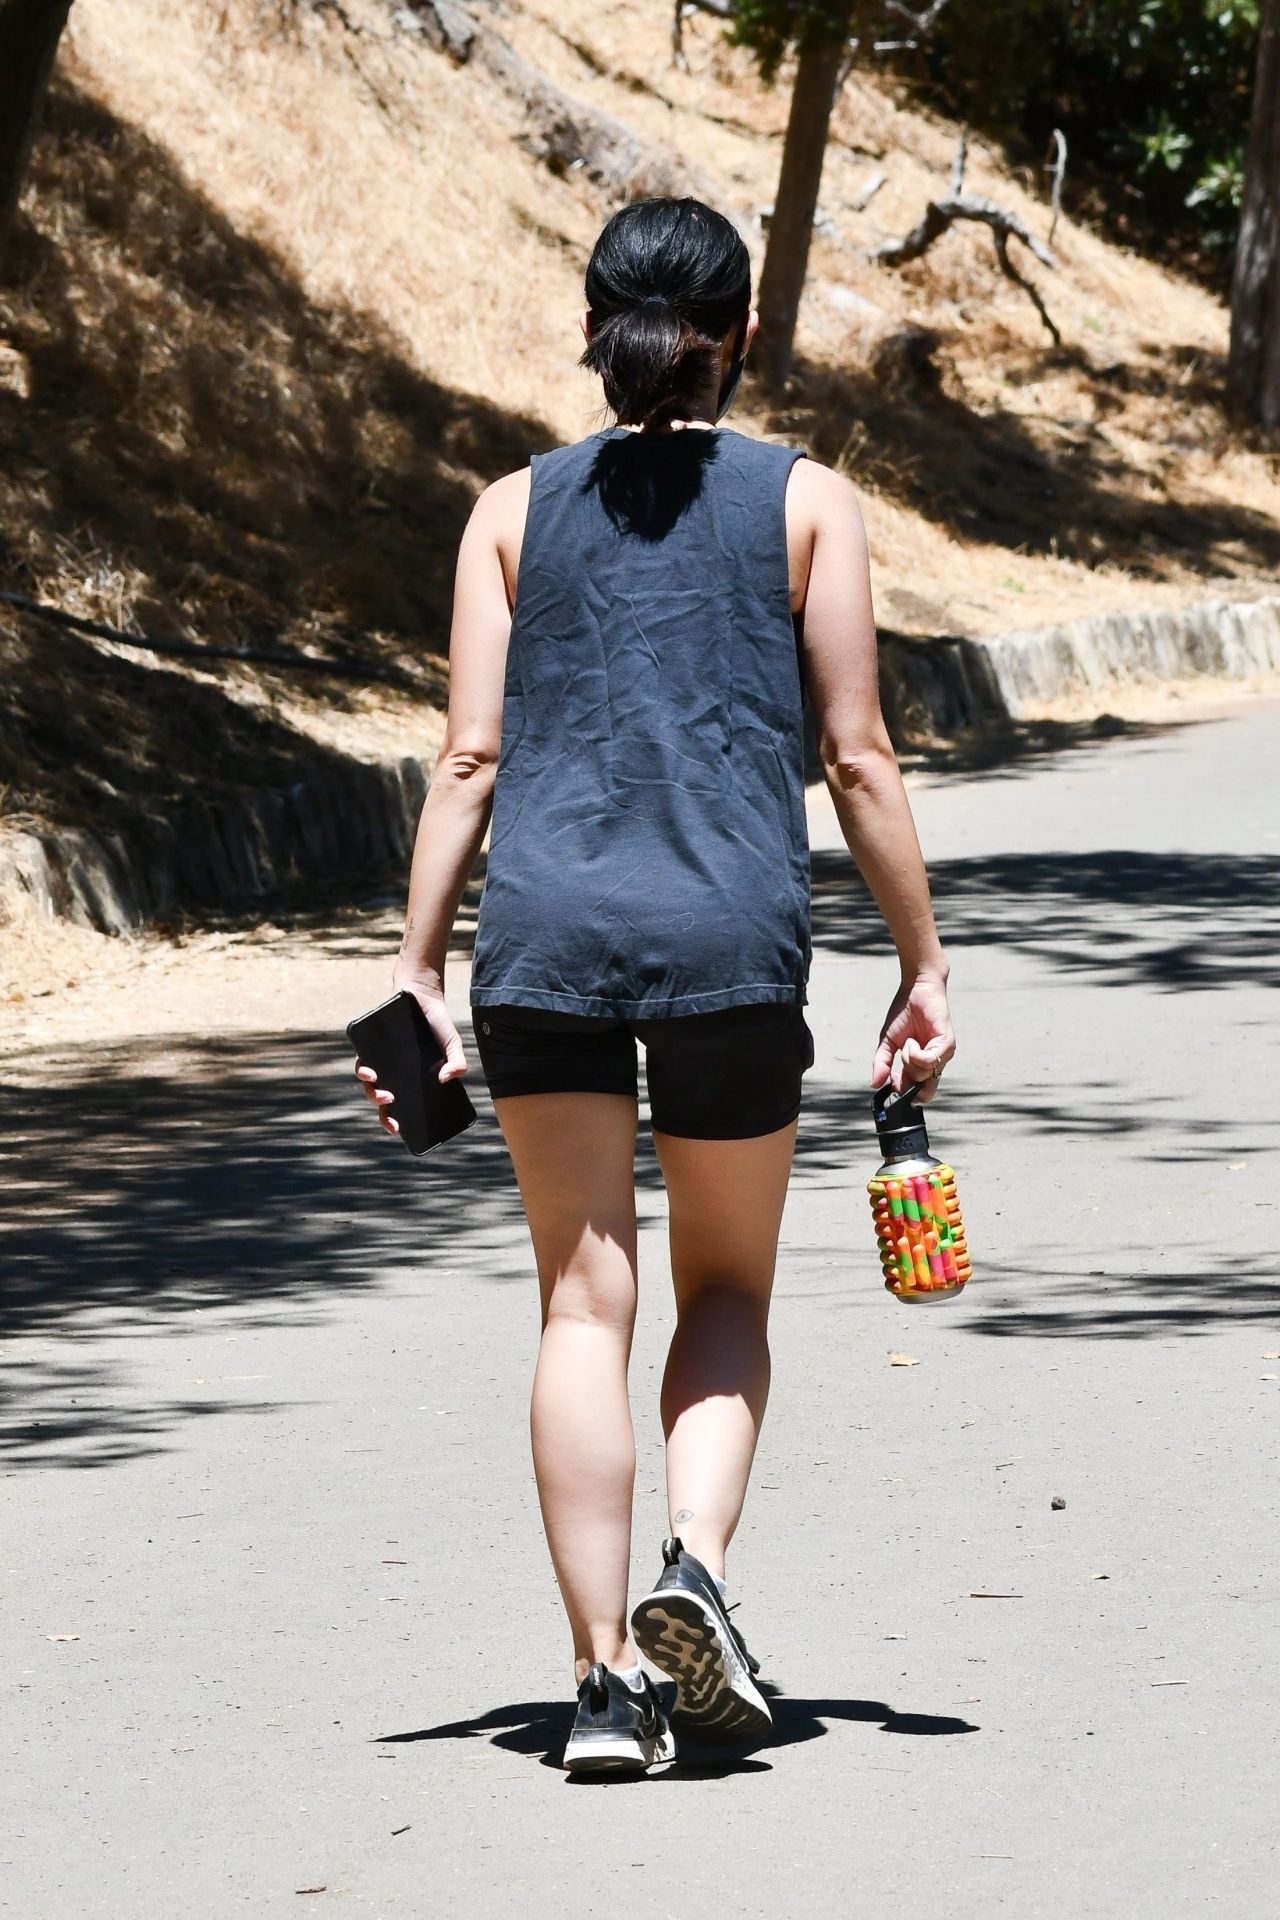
(850, 61)
(866, 193)
(958, 164)
(567, 135)
(920, 23)
(1057, 160)
(723, 10)
(1005, 226)
(1007, 267)
(938, 216)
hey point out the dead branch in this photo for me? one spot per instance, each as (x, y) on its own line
(1056, 159)
(443, 25)
(938, 216)
(565, 134)
(1005, 226)
(918, 24)
(723, 10)
(866, 193)
(847, 66)
(958, 164)
(1011, 272)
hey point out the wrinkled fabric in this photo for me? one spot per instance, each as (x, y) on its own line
(649, 850)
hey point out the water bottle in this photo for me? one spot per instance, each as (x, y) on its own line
(923, 1249)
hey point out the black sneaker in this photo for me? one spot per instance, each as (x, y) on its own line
(683, 1626)
(618, 1729)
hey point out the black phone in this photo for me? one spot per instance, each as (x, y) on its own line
(396, 1040)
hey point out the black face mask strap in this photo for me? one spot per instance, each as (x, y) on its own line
(729, 385)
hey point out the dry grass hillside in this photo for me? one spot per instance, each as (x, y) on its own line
(282, 302)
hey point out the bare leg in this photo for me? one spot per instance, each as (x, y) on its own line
(726, 1199)
(574, 1159)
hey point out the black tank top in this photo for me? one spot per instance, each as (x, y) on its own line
(649, 852)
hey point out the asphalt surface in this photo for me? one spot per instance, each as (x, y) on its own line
(265, 1453)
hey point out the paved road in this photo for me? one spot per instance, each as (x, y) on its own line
(266, 1455)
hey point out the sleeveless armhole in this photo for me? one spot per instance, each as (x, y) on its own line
(535, 460)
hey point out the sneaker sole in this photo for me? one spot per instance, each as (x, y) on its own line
(614, 1753)
(715, 1698)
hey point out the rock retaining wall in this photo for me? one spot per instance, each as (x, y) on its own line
(227, 853)
(234, 852)
(1221, 639)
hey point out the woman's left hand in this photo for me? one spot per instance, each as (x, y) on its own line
(917, 1038)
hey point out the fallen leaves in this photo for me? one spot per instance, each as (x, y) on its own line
(902, 1360)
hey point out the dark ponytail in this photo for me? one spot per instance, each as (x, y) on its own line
(665, 282)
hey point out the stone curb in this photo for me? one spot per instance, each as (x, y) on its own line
(232, 853)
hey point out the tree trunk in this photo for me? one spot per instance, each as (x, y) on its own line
(29, 34)
(787, 254)
(1253, 370)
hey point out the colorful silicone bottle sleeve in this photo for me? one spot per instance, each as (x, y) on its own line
(920, 1231)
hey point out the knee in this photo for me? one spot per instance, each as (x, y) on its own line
(590, 1296)
(724, 1297)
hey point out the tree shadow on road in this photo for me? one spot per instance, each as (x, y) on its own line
(151, 1182)
(1120, 1304)
(1109, 1281)
(1167, 921)
(148, 1185)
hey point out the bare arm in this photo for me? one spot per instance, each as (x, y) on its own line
(861, 769)
(455, 814)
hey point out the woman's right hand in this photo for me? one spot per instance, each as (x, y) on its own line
(430, 997)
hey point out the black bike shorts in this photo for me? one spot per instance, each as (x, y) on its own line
(727, 1075)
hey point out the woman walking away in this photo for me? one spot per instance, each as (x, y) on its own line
(637, 621)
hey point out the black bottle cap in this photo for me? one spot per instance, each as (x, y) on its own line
(900, 1126)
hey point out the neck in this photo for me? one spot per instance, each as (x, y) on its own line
(701, 416)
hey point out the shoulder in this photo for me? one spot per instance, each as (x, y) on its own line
(503, 500)
(812, 488)
(823, 517)
(823, 493)
(498, 519)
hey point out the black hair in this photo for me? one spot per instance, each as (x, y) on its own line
(665, 282)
